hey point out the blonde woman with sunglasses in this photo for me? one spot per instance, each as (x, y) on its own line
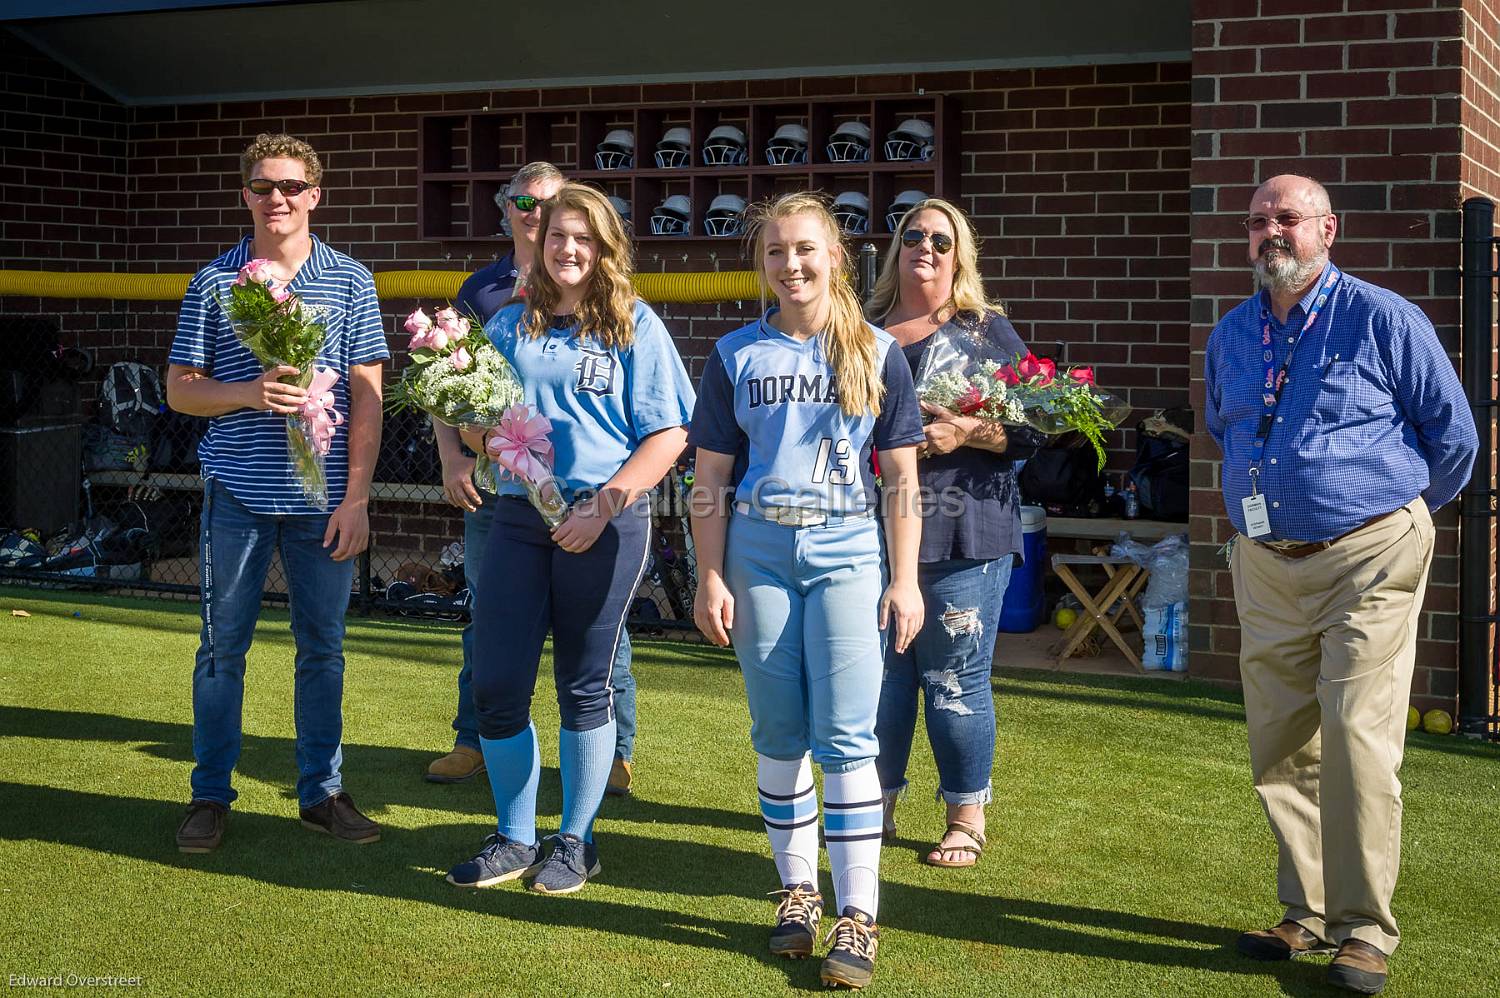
(971, 532)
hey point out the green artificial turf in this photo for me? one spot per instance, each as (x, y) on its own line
(1126, 846)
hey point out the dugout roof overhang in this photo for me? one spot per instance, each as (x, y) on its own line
(197, 51)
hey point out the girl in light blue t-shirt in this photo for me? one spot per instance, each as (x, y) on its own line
(602, 368)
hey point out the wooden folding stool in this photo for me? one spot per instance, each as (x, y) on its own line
(1123, 582)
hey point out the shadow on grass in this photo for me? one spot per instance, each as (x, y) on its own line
(406, 865)
(1123, 691)
(378, 776)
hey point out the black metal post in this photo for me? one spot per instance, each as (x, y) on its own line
(366, 590)
(868, 259)
(1476, 564)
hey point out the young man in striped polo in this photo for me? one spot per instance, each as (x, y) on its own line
(253, 506)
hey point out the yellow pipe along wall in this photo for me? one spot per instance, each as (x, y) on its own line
(731, 285)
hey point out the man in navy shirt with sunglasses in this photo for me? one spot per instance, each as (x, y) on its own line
(1343, 425)
(253, 507)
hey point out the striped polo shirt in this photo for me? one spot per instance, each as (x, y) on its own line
(246, 450)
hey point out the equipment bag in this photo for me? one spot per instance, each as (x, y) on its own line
(131, 398)
(1064, 480)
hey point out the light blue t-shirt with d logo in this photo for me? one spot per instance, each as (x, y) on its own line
(602, 401)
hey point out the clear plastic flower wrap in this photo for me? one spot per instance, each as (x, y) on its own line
(965, 373)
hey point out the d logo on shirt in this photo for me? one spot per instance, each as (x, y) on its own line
(596, 372)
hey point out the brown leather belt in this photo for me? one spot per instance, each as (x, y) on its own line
(1303, 550)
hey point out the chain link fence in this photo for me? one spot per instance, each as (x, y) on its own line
(103, 494)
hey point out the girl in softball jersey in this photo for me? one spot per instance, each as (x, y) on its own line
(603, 369)
(789, 410)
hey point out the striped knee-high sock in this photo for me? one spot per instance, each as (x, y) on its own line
(514, 765)
(851, 827)
(789, 807)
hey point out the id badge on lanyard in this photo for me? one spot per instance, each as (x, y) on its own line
(1257, 515)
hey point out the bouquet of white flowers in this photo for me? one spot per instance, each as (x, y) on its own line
(458, 376)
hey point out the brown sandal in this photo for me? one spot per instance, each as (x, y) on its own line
(973, 851)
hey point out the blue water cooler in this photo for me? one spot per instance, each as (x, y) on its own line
(1024, 603)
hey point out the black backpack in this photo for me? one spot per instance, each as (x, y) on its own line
(1161, 476)
(1064, 480)
(131, 398)
(408, 452)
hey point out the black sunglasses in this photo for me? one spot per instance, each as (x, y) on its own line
(941, 241)
(291, 188)
(525, 202)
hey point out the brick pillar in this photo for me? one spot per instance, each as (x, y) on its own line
(1367, 97)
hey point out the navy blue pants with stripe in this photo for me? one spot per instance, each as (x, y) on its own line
(529, 586)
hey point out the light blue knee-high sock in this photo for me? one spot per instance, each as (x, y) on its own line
(514, 765)
(584, 758)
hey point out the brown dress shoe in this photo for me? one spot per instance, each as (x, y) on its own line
(340, 818)
(1359, 967)
(203, 828)
(461, 764)
(621, 775)
(1283, 941)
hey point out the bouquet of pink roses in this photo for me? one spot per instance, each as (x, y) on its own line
(278, 328)
(457, 376)
(967, 374)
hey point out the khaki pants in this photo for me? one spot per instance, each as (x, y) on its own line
(1327, 648)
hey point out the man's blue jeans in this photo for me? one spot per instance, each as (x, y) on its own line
(235, 549)
(465, 721)
(949, 663)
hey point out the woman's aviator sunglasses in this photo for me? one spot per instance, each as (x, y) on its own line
(260, 187)
(941, 241)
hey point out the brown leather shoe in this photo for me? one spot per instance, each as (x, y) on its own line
(621, 775)
(338, 817)
(1284, 941)
(461, 764)
(203, 828)
(1359, 967)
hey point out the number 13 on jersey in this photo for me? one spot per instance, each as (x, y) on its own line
(835, 463)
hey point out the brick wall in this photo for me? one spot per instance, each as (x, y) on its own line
(1366, 96)
(64, 149)
(1076, 178)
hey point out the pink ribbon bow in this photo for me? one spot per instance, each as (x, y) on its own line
(520, 446)
(318, 412)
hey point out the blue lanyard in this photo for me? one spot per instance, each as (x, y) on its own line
(1275, 381)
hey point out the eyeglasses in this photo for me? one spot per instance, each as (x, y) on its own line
(941, 241)
(261, 187)
(1283, 220)
(525, 202)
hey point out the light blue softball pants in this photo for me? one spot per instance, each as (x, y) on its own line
(807, 636)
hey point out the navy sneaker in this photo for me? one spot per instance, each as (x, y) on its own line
(572, 863)
(797, 918)
(851, 961)
(500, 860)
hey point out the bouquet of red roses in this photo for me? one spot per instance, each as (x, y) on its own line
(965, 373)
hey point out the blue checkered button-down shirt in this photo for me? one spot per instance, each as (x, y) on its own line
(1372, 415)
